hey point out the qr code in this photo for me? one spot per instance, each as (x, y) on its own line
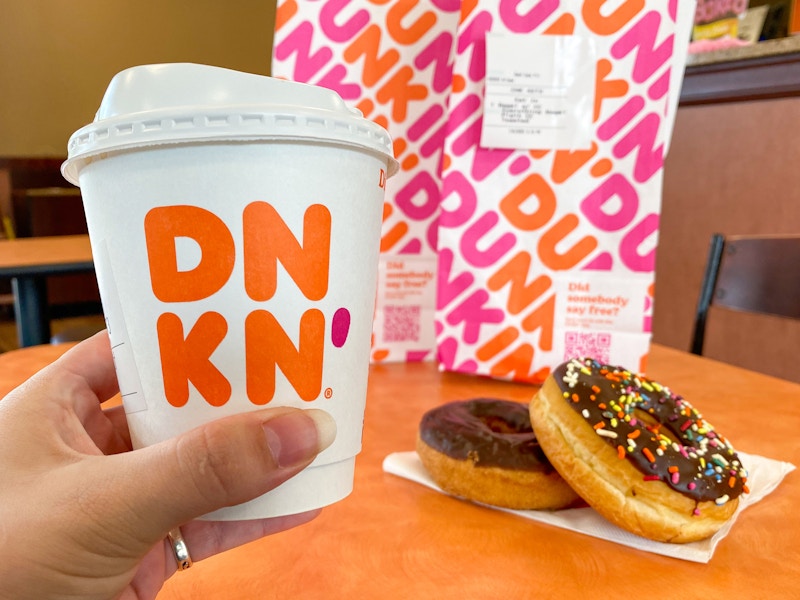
(401, 323)
(588, 345)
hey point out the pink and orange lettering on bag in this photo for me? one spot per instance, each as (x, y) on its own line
(393, 61)
(546, 254)
(541, 253)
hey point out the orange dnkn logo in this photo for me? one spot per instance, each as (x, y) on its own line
(186, 355)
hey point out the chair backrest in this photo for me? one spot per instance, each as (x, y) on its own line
(758, 274)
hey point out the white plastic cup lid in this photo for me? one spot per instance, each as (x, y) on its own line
(189, 103)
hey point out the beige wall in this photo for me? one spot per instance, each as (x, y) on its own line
(57, 56)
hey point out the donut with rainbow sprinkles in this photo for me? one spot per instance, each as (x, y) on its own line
(639, 454)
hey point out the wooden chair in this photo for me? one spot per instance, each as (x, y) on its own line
(757, 274)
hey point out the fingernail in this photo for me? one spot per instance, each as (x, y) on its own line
(296, 437)
(326, 427)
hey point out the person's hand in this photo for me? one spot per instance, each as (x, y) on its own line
(83, 516)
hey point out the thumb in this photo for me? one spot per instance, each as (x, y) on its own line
(222, 463)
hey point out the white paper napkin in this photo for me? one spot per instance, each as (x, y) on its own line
(764, 475)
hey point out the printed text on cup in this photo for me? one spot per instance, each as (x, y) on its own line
(186, 356)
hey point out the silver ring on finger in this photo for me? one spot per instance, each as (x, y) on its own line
(180, 549)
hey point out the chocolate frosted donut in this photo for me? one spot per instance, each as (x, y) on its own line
(485, 450)
(640, 454)
(487, 431)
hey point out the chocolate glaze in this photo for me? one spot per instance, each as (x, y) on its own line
(488, 431)
(674, 444)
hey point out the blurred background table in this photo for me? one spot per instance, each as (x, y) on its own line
(392, 538)
(28, 262)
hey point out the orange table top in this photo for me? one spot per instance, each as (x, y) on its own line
(45, 255)
(392, 538)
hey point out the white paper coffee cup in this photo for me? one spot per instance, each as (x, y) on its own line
(235, 225)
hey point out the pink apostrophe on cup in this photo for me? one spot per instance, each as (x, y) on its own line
(340, 327)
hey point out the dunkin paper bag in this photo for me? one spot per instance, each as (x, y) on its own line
(392, 60)
(551, 182)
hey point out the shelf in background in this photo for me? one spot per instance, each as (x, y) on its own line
(766, 70)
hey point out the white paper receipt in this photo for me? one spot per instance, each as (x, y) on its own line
(539, 92)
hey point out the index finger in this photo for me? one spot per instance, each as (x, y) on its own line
(73, 385)
(89, 365)
(92, 361)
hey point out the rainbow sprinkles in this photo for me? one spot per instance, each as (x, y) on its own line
(656, 430)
